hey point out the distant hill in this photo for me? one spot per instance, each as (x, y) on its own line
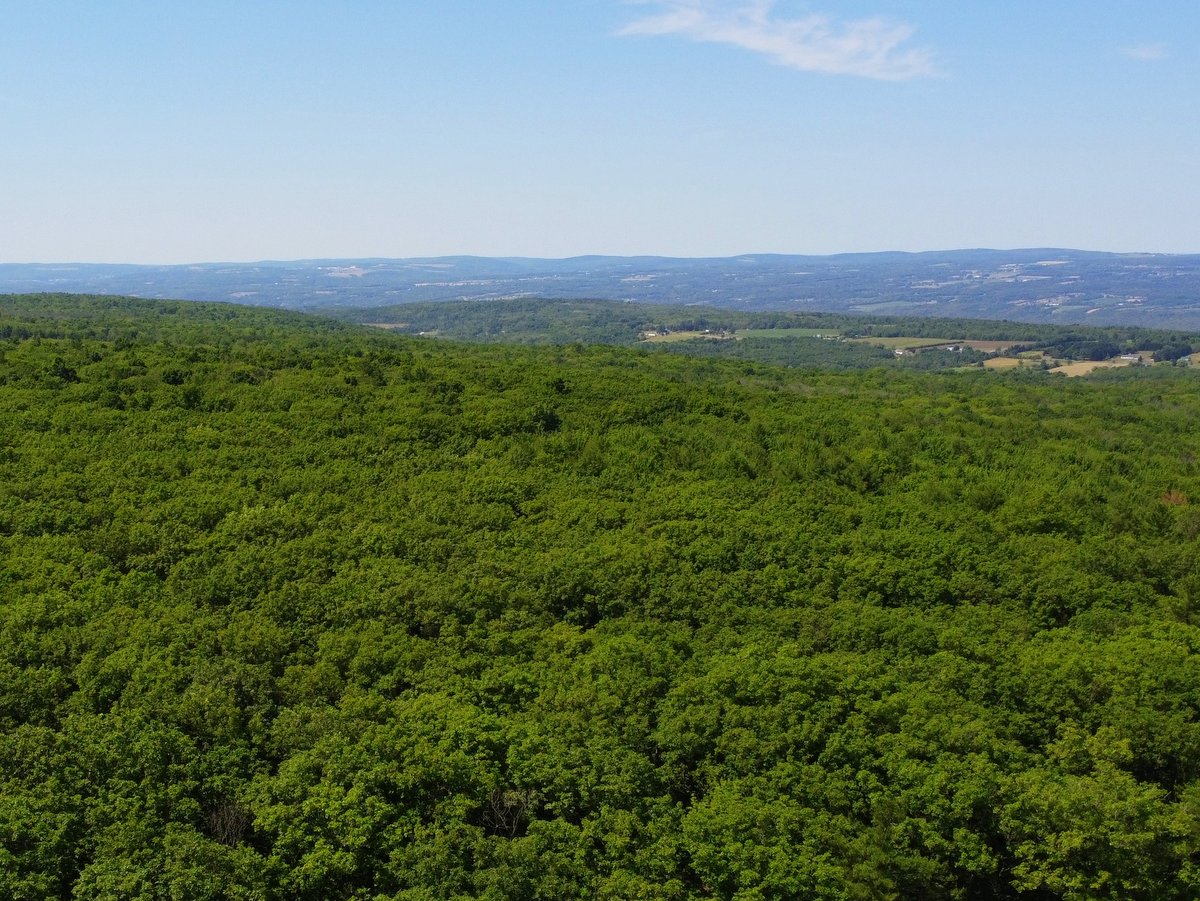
(1036, 285)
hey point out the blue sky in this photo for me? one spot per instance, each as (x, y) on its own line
(138, 131)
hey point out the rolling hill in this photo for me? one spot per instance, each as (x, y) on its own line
(1040, 285)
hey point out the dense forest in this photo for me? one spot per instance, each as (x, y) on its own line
(294, 609)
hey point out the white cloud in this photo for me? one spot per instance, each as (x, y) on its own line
(870, 48)
(1147, 52)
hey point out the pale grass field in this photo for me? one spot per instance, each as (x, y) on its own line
(1004, 363)
(1083, 367)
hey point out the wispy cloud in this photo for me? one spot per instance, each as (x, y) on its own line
(870, 48)
(1147, 53)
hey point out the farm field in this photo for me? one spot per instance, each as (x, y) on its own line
(1004, 363)
(1083, 367)
(1033, 360)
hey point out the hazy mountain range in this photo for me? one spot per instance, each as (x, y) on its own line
(1037, 285)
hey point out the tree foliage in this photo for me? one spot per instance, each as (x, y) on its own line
(292, 609)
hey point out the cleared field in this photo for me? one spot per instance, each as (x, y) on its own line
(1083, 367)
(1032, 359)
(786, 333)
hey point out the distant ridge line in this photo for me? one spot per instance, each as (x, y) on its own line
(1082, 286)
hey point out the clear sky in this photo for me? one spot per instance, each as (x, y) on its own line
(164, 131)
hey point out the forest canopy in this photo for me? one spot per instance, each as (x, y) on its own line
(295, 609)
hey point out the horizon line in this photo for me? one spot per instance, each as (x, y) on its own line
(266, 261)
